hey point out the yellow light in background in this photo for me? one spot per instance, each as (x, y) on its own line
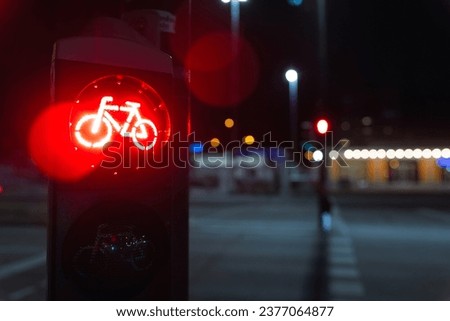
(229, 123)
(249, 139)
(308, 155)
(215, 142)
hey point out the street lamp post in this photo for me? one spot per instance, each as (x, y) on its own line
(234, 79)
(322, 33)
(292, 77)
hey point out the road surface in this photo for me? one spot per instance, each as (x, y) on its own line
(263, 247)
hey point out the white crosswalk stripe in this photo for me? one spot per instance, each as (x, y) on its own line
(343, 273)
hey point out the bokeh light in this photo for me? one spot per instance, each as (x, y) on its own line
(318, 156)
(322, 126)
(390, 154)
(348, 154)
(417, 153)
(446, 153)
(399, 153)
(196, 147)
(409, 153)
(426, 153)
(345, 125)
(366, 121)
(381, 154)
(213, 65)
(365, 154)
(215, 142)
(295, 3)
(51, 148)
(436, 153)
(334, 154)
(249, 139)
(229, 123)
(394, 164)
(291, 75)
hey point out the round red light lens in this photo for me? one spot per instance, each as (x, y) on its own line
(322, 126)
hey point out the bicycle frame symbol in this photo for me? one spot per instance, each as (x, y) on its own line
(134, 120)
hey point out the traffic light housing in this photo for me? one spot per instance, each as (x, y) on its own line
(121, 230)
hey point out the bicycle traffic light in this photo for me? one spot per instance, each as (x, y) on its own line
(120, 230)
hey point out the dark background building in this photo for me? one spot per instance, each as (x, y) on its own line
(387, 60)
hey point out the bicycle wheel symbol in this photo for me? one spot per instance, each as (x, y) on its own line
(87, 137)
(144, 130)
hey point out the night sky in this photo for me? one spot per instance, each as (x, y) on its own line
(387, 59)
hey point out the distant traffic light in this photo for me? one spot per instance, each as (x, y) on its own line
(322, 126)
(120, 231)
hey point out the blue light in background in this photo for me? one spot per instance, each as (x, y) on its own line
(295, 3)
(327, 221)
(196, 147)
(443, 162)
(309, 147)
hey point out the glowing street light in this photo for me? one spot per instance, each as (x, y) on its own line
(291, 75)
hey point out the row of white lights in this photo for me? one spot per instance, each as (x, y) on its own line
(394, 154)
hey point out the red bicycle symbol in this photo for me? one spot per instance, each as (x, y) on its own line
(135, 126)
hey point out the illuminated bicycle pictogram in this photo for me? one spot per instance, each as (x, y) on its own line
(103, 122)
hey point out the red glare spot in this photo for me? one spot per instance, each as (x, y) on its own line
(212, 52)
(224, 69)
(51, 148)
